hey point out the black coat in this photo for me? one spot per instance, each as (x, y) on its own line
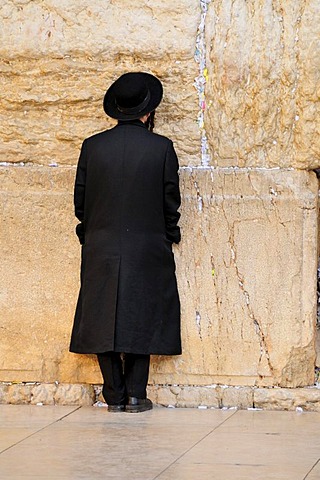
(127, 199)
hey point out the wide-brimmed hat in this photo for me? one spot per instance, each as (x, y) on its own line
(132, 96)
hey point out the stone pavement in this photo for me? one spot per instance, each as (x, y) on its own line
(64, 443)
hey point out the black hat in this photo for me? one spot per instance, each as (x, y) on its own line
(132, 96)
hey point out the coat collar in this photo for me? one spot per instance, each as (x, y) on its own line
(137, 123)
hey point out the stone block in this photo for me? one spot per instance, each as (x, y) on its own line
(247, 278)
(39, 277)
(189, 397)
(74, 394)
(240, 397)
(39, 271)
(185, 396)
(163, 395)
(263, 64)
(18, 394)
(246, 271)
(210, 396)
(287, 399)
(47, 113)
(3, 393)
(66, 28)
(43, 393)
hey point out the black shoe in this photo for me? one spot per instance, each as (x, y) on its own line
(115, 408)
(137, 405)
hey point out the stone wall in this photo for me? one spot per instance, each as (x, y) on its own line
(241, 103)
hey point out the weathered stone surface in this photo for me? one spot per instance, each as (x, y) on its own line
(47, 394)
(74, 394)
(263, 87)
(248, 292)
(19, 394)
(246, 271)
(287, 399)
(75, 110)
(106, 28)
(184, 396)
(39, 258)
(4, 393)
(213, 396)
(60, 56)
(166, 396)
(240, 397)
(39, 277)
(189, 397)
(43, 393)
(262, 91)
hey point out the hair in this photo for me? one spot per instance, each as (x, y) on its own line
(150, 121)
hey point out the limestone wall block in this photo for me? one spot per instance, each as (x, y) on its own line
(38, 284)
(104, 28)
(18, 394)
(59, 57)
(307, 51)
(247, 277)
(3, 393)
(188, 397)
(287, 399)
(39, 278)
(263, 87)
(246, 271)
(239, 397)
(185, 396)
(43, 394)
(162, 396)
(50, 113)
(74, 394)
(208, 396)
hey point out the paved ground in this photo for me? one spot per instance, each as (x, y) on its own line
(64, 443)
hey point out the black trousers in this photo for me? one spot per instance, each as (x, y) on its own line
(124, 375)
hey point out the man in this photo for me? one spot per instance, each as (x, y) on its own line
(127, 198)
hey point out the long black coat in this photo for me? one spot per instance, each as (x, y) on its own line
(127, 199)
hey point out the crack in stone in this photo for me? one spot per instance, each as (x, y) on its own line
(241, 282)
(257, 324)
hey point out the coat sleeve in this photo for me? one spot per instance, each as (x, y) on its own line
(171, 195)
(79, 192)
